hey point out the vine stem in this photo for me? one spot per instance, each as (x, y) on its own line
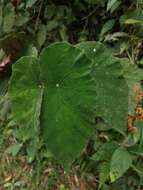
(90, 14)
(37, 20)
(130, 58)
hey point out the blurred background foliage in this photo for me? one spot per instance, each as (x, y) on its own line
(41, 22)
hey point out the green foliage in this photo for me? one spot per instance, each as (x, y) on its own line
(111, 102)
(41, 36)
(3, 86)
(62, 93)
(105, 152)
(120, 162)
(110, 4)
(104, 173)
(14, 149)
(57, 96)
(28, 86)
(30, 3)
(28, 26)
(9, 18)
(107, 27)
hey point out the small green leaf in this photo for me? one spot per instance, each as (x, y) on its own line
(50, 11)
(32, 150)
(62, 187)
(30, 3)
(8, 185)
(9, 18)
(104, 173)
(14, 149)
(41, 36)
(107, 26)
(133, 21)
(141, 62)
(105, 152)
(32, 51)
(115, 6)
(63, 33)
(51, 25)
(133, 17)
(2, 54)
(121, 161)
(110, 4)
(22, 19)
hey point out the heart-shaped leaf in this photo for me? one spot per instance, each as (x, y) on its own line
(63, 96)
(69, 94)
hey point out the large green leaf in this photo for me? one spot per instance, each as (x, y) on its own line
(69, 93)
(111, 87)
(68, 98)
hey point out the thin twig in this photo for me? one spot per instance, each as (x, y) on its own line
(90, 14)
(37, 20)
